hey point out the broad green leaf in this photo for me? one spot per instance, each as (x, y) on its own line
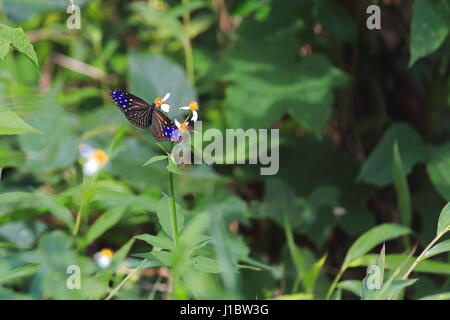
(56, 208)
(373, 237)
(161, 242)
(444, 219)
(378, 167)
(11, 123)
(155, 159)
(439, 170)
(106, 221)
(429, 27)
(164, 215)
(401, 186)
(441, 247)
(265, 71)
(152, 76)
(16, 38)
(57, 146)
(439, 296)
(205, 264)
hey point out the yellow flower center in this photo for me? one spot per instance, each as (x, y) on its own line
(107, 252)
(158, 102)
(193, 105)
(100, 156)
(184, 126)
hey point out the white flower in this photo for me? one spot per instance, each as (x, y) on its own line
(159, 102)
(95, 159)
(103, 258)
(193, 106)
(182, 126)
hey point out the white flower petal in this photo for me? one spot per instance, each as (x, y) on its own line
(177, 123)
(91, 167)
(85, 150)
(185, 108)
(166, 96)
(103, 261)
(194, 115)
(165, 107)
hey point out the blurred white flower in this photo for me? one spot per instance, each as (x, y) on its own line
(193, 106)
(95, 159)
(339, 211)
(103, 258)
(159, 103)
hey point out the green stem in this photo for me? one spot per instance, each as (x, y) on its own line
(173, 212)
(419, 258)
(189, 58)
(335, 282)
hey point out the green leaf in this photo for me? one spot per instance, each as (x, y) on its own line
(163, 214)
(444, 219)
(152, 76)
(16, 38)
(439, 170)
(372, 238)
(18, 273)
(11, 123)
(172, 167)
(295, 296)
(275, 79)
(401, 186)
(429, 27)
(21, 10)
(354, 286)
(441, 247)
(57, 146)
(439, 296)
(310, 278)
(161, 242)
(107, 220)
(154, 159)
(375, 274)
(205, 264)
(393, 261)
(395, 287)
(378, 167)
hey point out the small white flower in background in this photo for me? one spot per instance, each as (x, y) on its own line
(193, 106)
(339, 211)
(103, 258)
(159, 103)
(95, 159)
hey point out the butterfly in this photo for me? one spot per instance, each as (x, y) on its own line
(144, 115)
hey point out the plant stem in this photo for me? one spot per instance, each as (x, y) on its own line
(114, 291)
(189, 59)
(419, 258)
(173, 212)
(335, 282)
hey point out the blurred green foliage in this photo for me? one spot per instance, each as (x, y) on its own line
(364, 150)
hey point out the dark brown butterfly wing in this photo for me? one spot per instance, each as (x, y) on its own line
(163, 128)
(136, 110)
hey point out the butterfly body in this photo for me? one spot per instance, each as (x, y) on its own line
(144, 115)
